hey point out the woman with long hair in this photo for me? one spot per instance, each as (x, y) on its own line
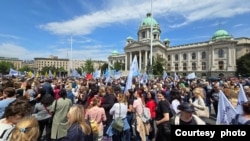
(119, 110)
(97, 114)
(79, 129)
(26, 129)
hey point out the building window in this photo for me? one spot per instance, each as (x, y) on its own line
(203, 55)
(203, 66)
(176, 66)
(221, 65)
(193, 66)
(184, 66)
(143, 34)
(176, 57)
(193, 56)
(169, 58)
(221, 53)
(169, 67)
(155, 36)
(184, 56)
(203, 74)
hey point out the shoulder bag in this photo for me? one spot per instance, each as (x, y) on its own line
(118, 123)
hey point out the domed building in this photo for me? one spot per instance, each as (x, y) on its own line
(215, 57)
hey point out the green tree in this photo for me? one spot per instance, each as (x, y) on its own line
(89, 66)
(119, 66)
(159, 63)
(104, 67)
(25, 68)
(243, 67)
(5, 67)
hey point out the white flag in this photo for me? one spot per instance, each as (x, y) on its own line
(226, 111)
(132, 71)
(191, 76)
(13, 72)
(241, 99)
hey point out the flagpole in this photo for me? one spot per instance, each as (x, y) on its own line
(71, 53)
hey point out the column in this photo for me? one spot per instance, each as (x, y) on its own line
(140, 60)
(229, 56)
(146, 58)
(130, 60)
(126, 61)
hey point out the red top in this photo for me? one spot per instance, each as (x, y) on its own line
(152, 106)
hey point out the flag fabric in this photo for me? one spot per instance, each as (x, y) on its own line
(191, 76)
(241, 99)
(50, 74)
(75, 73)
(89, 76)
(97, 74)
(165, 75)
(226, 111)
(132, 71)
(176, 77)
(13, 72)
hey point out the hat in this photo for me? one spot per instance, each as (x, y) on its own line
(186, 107)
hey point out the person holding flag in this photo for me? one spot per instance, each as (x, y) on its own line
(244, 118)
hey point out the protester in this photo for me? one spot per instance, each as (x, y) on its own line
(186, 116)
(14, 112)
(79, 130)
(26, 129)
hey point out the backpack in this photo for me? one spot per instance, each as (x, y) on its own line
(146, 115)
(94, 126)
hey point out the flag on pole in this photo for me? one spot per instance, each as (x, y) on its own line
(165, 75)
(13, 72)
(133, 69)
(226, 111)
(191, 76)
(241, 99)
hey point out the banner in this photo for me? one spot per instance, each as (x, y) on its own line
(241, 99)
(132, 71)
(226, 111)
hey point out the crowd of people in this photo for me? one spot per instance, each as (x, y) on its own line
(77, 109)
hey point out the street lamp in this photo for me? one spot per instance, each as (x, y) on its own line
(151, 41)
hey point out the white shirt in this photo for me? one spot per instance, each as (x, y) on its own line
(119, 109)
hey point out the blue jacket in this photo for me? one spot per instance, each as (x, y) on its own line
(75, 134)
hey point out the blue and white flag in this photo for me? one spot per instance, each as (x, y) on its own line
(165, 75)
(75, 73)
(241, 99)
(191, 76)
(132, 71)
(226, 111)
(13, 72)
(97, 74)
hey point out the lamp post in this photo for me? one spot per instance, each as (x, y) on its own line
(151, 41)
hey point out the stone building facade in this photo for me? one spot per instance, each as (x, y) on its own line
(215, 57)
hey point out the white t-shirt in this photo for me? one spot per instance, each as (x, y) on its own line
(5, 130)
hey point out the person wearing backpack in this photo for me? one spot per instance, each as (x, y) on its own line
(142, 128)
(243, 119)
(96, 116)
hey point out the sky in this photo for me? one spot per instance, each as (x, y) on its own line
(92, 29)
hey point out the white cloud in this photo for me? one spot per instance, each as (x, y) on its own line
(122, 11)
(9, 36)
(238, 25)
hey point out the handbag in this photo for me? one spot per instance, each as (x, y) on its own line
(203, 113)
(118, 123)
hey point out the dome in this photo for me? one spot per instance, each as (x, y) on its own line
(220, 34)
(115, 52)
(149, 20)
(129, 38)
(166, 40)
